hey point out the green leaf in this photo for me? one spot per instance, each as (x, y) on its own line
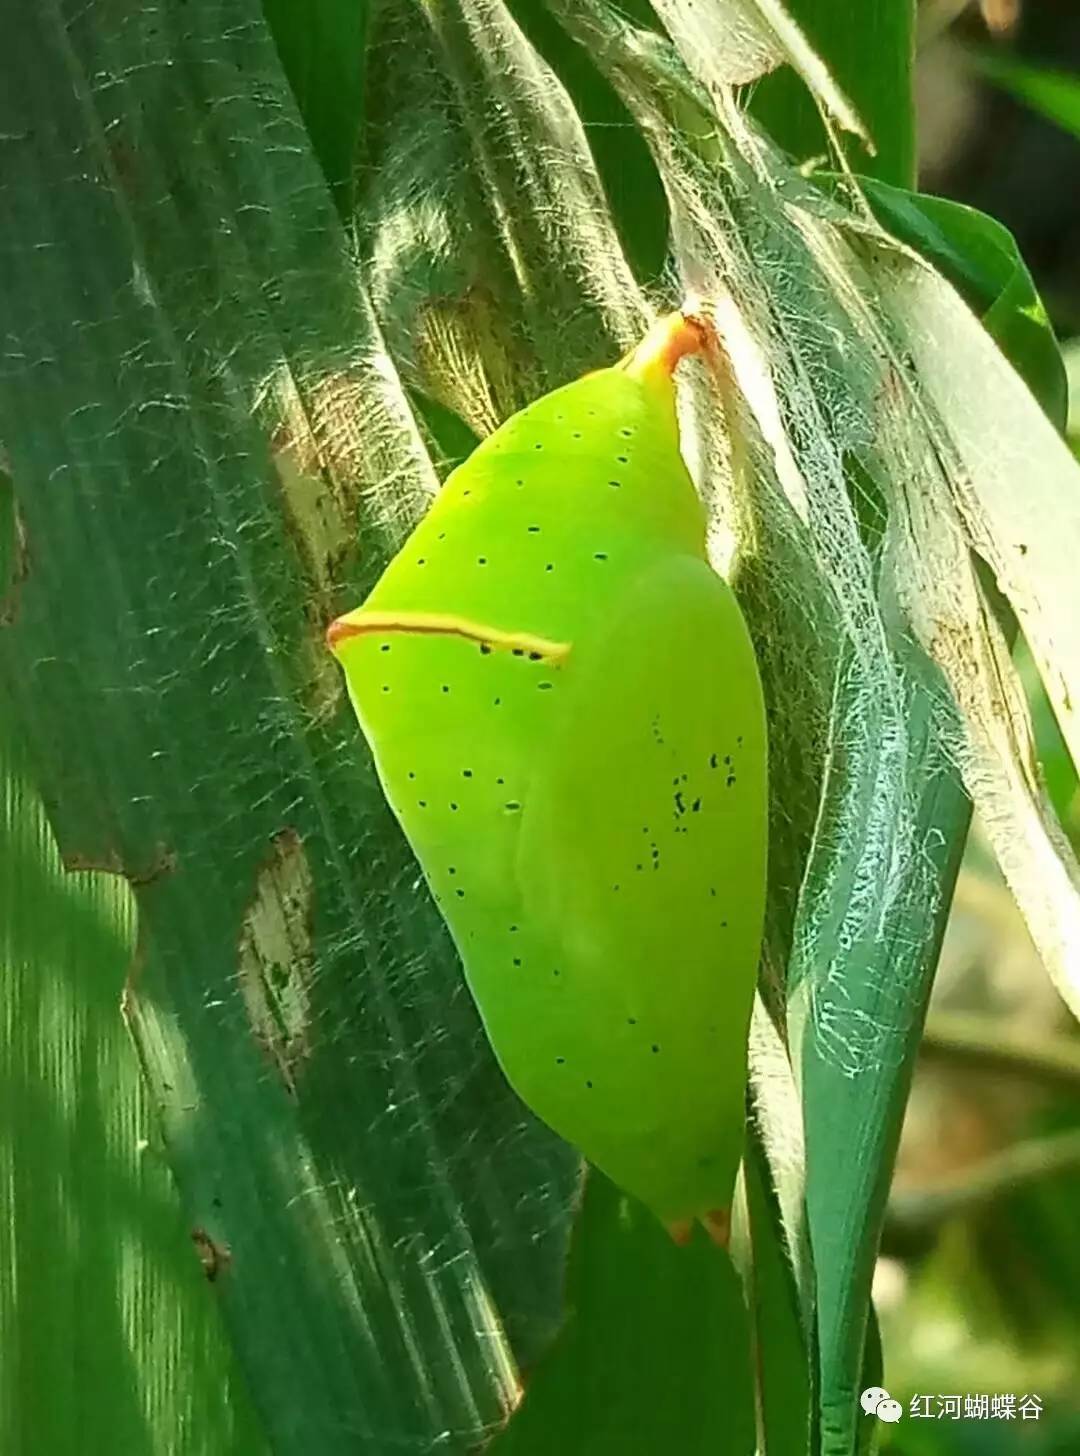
(1071, 359)
(632, 184)
(655, 1354)
(111, 1336)
(200, 416)
(869, 50)
(1055, 94)
(1055, 764)
(323, 48)
(784, 1370)
(12, 550)
(980, 258)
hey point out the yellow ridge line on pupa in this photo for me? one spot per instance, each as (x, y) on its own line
(440, 624)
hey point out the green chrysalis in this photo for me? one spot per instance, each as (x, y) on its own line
(567, 720)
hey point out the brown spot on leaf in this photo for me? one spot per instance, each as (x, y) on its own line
(275, 957)
(215, 1258)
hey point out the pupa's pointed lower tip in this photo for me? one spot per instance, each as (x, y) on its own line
(681, 1230)
(718, 1226)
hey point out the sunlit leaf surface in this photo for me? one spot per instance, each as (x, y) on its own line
(109, 1331)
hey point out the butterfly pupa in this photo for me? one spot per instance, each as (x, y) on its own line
(566, 717)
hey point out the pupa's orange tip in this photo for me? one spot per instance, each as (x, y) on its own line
(717, 1224)
(670, 339)
(681, 1231)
